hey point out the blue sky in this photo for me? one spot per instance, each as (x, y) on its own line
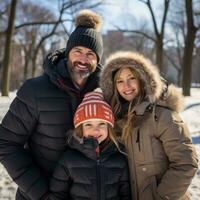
(122, 12)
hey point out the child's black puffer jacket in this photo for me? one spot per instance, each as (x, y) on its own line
(83, 173)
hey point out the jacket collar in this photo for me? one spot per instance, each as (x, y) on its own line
(59, 75)
(142, 107)
(89, 146)
(157, 90)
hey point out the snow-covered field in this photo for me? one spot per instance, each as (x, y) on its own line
(190, 115)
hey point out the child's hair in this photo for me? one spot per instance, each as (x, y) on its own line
(92, 107)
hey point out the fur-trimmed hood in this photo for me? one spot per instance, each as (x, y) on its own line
(156, 90)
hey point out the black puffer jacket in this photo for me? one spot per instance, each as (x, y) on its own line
(85, 174)
(32, 133)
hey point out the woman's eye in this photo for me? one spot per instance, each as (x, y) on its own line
(119, 82)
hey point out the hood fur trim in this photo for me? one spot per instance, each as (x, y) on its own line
(147, 71)
(155, 88)
(173, 99)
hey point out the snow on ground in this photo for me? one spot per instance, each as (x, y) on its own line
(190, 115)
(7, 186)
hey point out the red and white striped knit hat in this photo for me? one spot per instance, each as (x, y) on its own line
(93, 106)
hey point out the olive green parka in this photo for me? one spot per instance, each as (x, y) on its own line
(162, 158)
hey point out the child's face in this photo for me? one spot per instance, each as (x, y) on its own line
(127, 85)
(95, 128)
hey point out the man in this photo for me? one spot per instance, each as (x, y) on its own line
(33, 132)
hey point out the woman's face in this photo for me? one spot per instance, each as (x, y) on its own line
(127, 84)
(95, 128)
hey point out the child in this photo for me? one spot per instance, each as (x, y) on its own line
(162, 159)
(93, 167)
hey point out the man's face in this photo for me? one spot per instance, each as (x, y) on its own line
(82, 61)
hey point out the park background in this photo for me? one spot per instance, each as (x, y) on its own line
(166, 31)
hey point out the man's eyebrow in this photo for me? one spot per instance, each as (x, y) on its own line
(91, 51)
(77, 48)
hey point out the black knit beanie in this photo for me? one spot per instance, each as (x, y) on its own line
(87, 33)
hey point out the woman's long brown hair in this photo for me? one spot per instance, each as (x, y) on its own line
(117, 105)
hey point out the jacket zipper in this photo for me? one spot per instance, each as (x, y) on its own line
(138, 139)
(134, 182)
(98, 174)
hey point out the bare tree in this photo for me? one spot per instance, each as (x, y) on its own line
(189, 46)
(179, 22)
(29, 35)
(7, 52)
(41, 28)
(4, 12)
(176, 21)
(66, 7)
(158, 34)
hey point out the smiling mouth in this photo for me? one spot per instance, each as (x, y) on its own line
(129, 92)
(97, 137)
(82, 67)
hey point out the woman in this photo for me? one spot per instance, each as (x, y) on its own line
(162, 159)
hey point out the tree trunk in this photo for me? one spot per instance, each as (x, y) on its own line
(188, 50)
(34, 64)
(187, 62)
(179, 77)
(159, 53)
(7, 51)
(26, 67)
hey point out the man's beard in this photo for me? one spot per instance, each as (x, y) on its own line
(83, 73)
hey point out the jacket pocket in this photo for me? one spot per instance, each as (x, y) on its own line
(149, 190)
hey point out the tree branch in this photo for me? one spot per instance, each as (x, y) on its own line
(172, 62)
(164, 16)
(148, 3)
(135, 31)
(40, 23)
(66, 31)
